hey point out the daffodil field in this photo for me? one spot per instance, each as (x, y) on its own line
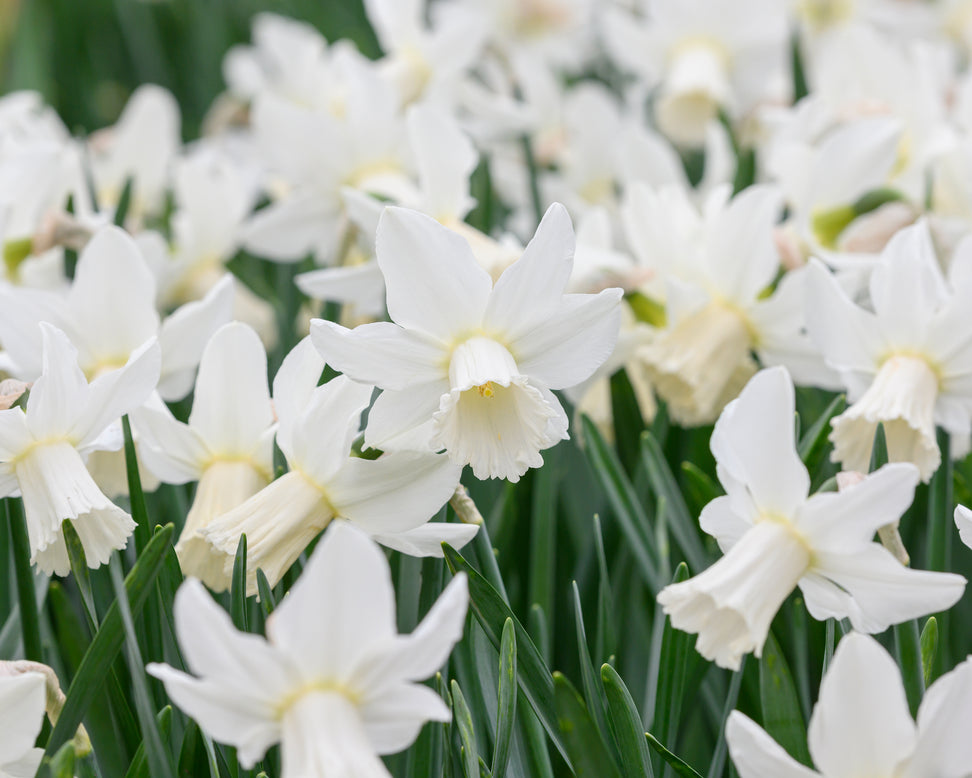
(484, 388)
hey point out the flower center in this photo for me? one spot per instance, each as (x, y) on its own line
(486, 390)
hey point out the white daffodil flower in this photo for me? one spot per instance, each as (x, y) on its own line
(42, 451)
(715, 264)
(108, 312)
(140, 146)
(861, 724)
(467, 366)
(227, 445)
(703, 56)
(776, 537)
(906, 363)
(394, 494)
(334, 684)
(22, 701)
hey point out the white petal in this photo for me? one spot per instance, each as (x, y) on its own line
(433, 282)
(323, 735)
(394, 718)
(57, 398)
(342, 606)
(382, 354)
(321, 440)
(293, 386)
(531, 289)
(231, 406)
(860, 725)
(884, 591)
(227, 711)
(112, 299)
(184, 335)
(944, 747)
(721, 520)
(847, 335)
(445, 158)
(402, 420)
(907, 286)
(21, 310)
(22, 699)
(754, 440)
(173, 451)
(290, 229)
(427, 539)
(844, 520)
(963, 520)
(746, 260)
(756, 754)
(116, 393)
(568, 346)
(15, 437)
(398, 491)
(362, 286)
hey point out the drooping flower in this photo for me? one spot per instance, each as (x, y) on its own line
(775, 536)
(467, 366)
(392, 497)
(227, 446)
(861, 724)
(906, 361)
(42, 450)
(334, 683)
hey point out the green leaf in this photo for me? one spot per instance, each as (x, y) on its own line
(26, 594)
(492, 612)
(135, 493)
(139, 766)
(589, 757)
(929, 647)
(626, 725)
(589, 680)
(108, 641)
(124, 201)
(879, 449)
(699, 487)
(467, 735)
(157, 755)
(238, 587)
(265, 593)
(782, 717)
(627, 509)
(682, 524)
(717, 765)
(908, 648)
(61, 764)
(678, 765)
(506, 700)
(672, 672)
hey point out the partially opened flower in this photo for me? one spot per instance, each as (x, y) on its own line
(861, 724)
(227, 446)
(393, 495)
(41, 451)
(22, 700)
(468, 366)
(906, 362)
(335, 684)
(776, 537)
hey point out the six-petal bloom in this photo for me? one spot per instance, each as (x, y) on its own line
(861, 724)
(42, 451)
(776, 536)
(467, 366)
(335, 683)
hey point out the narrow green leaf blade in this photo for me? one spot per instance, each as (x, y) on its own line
(929, 647)
(782, 717)
(588, 754)
(627, 728)
(506, 700)
(467, 735)
(676, 763)
(108, 641)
